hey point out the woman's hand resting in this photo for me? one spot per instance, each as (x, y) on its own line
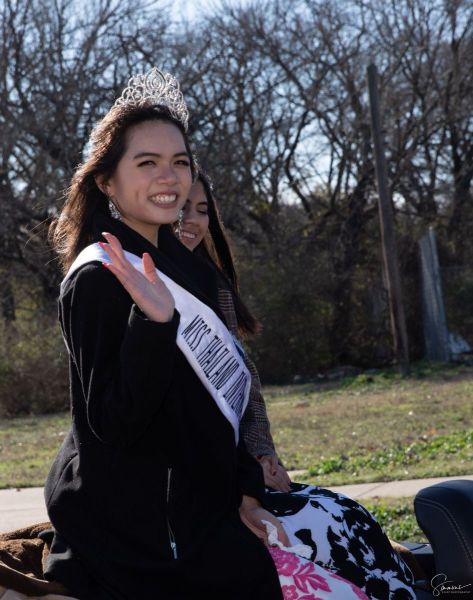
(252, 514)
(275, 475)
(148, 291)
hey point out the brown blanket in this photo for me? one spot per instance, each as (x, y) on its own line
(22, 558)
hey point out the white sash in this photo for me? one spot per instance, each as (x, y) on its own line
(202, 337)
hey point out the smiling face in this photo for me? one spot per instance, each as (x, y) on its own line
(195, 222)
(152, 180)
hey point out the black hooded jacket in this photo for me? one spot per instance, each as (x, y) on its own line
(145, 490)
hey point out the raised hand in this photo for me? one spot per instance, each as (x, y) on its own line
(148, 291)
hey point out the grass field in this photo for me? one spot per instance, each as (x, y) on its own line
(27, 448)
(377, 427)
(369, 428)
(396, 516)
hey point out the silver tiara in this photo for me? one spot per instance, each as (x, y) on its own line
(156, 88)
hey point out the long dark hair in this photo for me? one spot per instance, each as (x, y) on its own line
(72, 231)
(217, 250)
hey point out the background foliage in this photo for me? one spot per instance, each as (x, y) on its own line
(279, 118)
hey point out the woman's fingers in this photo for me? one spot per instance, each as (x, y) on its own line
(270, 461)
(279, 484)
(144, 285)
(116, 254)
(275, 475)
(253, 518)
(121, 267)
(269, 478)
(273, 460)
(149, 268)
(122, 264)
(287, 479)
(282, 535)
(282, 476)
(114, 243)
(115, 250)
(283, 479)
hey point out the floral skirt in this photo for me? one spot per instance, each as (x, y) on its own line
(345, 539)
(302, 579)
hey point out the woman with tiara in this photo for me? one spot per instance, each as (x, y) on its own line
(343, 535)
(153, 493)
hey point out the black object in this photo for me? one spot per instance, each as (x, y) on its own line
(444, 512)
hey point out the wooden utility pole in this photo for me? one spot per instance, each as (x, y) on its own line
(388, 237)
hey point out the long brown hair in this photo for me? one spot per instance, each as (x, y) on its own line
(218, 251)
(72, 230)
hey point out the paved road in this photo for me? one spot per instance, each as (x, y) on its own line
(22, 507)
(396, 489)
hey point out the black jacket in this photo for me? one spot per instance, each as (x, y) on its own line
(150, 470)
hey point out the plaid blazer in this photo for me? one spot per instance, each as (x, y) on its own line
(254, 425)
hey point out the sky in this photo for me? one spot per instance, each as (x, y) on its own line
(192, 8)
(187, 8)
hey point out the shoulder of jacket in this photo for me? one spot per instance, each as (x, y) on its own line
(93, 277)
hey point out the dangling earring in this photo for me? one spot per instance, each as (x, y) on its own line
(114, 212)
(180, 218)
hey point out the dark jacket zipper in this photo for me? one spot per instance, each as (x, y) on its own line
(172, 539)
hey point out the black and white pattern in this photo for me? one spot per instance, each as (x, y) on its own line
(345, 538)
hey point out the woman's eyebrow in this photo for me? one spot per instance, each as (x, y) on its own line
(141, 154)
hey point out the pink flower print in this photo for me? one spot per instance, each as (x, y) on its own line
(359, 593)
(306, 576)
(286, 563)
(289, 592)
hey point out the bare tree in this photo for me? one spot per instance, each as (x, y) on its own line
(279, 118)
(59, 71)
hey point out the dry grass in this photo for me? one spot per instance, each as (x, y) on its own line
(372, 428)
(377, 428)
(27, 448)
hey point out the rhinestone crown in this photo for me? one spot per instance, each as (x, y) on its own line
(156, 88)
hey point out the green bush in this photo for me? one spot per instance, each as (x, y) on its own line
(33, 364)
